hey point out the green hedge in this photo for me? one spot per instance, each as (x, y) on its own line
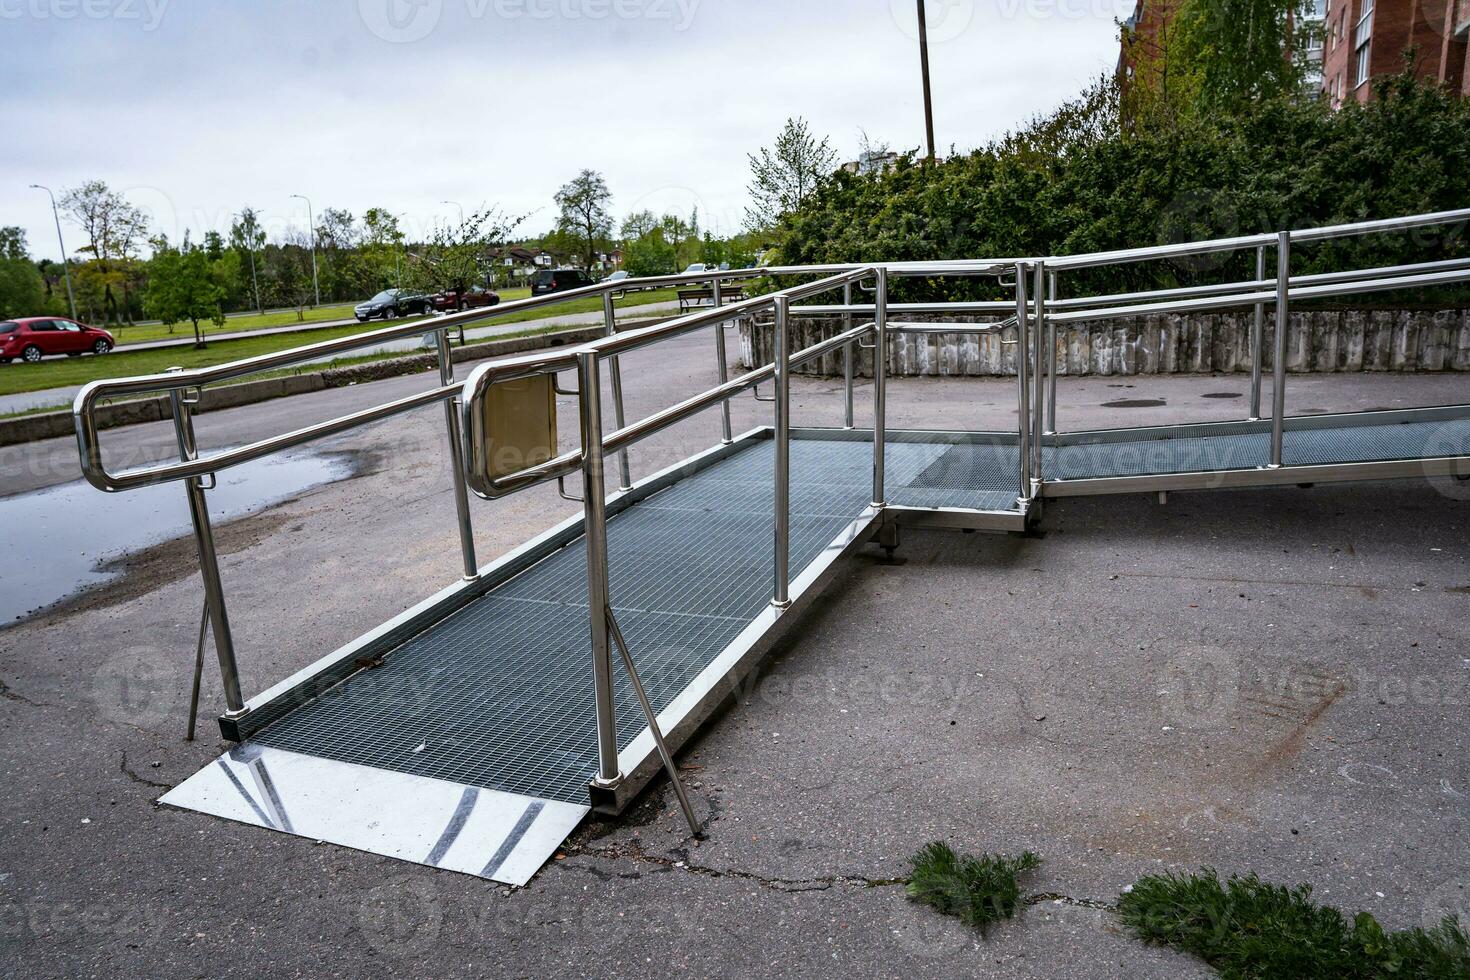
(1079, 181)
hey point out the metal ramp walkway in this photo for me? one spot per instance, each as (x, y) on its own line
(474, 731)
(494, 698)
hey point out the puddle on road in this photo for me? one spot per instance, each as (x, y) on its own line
(1135, 403)
(55, 540)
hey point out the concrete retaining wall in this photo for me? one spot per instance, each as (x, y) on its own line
(55, 425)
(1317, 341)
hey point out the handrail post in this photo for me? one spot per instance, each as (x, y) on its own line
(847, 367)
(594, 493)
(610, 327)
(214, 591)
(880, 382)
(1023, 389)
(1040, 365)
(456, 455)
(1283, 315)
(1051, 367)
(782, 496)
(727, 435)
(1258, 329)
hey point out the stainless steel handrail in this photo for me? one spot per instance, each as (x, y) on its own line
(1326, 290)
(1031, 307)
(1354, 229)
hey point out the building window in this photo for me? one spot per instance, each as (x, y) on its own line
(1362, 43)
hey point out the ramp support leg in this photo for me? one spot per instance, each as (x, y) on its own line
(214, 590)
(653, 727)
(610, 327)
(1258, 329)
(880, 384)
(1023, 387)
(782, 494)
(456, 458)
(1283, 325)
(594, 506)
(847, 367)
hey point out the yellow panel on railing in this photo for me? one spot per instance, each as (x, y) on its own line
(520, 422)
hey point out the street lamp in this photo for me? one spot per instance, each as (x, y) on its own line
(461, 210)
(65, 265)
(924, 69)
(311, 220)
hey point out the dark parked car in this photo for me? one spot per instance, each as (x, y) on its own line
(472, 298)
(32, 338)
(391, 303)
(554, 281)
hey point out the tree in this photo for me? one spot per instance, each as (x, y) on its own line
(184, 284)
(784, 176)
(247, 236)
(584, 203)
(115, 231)
(13, 243)
(22, 291)
(458, 256)
(1244, 51)
(382, 246)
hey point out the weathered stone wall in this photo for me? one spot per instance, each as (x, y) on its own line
(1317, 341)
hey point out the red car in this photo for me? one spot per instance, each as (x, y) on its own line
(452, 299)
(33, 337)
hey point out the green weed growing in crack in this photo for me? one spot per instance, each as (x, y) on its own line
(979, 890)
(1253, 930)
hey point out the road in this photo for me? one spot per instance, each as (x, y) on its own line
(1263, 680)
(61, 397)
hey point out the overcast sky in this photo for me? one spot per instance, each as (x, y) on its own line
(194, 108)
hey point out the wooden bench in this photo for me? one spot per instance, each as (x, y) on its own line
(691, 298)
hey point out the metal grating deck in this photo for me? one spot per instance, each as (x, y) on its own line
(499, 695)
(1201, 448)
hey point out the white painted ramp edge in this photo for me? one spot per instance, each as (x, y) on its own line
(502, 836)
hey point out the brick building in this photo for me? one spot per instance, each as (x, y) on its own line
(1367, 38)
(1359, 40)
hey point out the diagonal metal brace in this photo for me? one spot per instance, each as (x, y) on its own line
(658, 735)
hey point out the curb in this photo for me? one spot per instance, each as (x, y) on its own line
(55, 425)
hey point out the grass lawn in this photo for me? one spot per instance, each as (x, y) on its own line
(142, 332)
(59, 372)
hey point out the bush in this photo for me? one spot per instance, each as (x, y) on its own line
(1079, 181)
(1248, 928)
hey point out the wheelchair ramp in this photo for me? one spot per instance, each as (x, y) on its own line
(471, 745)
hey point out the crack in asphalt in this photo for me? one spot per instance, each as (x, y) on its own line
(788, 885)
(122, 767)
(9, 695)
(1080, 903)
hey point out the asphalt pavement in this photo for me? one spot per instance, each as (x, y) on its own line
(1255, 680)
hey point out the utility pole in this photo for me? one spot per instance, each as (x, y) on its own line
(65, 265)
(924, 69)
(311, 220)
